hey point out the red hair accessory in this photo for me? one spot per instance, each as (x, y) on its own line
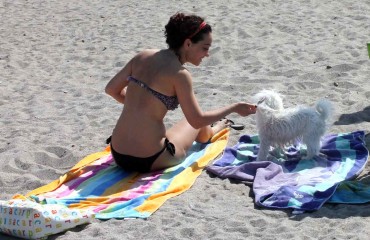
(201, 26)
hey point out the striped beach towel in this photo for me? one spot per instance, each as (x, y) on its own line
(289, 182)
(96, 183)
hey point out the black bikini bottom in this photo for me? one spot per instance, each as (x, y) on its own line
(139, 164)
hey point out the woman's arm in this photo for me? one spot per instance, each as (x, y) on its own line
(118, 84)
(193, 113)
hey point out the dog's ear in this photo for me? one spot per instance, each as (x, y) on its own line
(255, 98)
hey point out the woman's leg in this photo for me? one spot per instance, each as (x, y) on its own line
(182, 135)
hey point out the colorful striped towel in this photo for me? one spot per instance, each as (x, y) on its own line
(289, 182)
(97, 184)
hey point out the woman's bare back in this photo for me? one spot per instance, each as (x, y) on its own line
(140, 129)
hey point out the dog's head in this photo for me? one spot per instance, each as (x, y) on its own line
(270, 99)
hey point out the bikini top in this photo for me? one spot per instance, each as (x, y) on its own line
(171, 102)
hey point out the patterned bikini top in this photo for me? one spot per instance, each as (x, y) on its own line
(171, 102)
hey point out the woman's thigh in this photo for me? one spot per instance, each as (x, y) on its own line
(182, 135)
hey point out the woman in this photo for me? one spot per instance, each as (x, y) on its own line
(154, 82)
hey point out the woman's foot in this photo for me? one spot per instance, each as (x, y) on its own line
(220, 125)
(229, 123)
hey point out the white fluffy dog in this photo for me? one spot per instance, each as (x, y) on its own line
(278, 126)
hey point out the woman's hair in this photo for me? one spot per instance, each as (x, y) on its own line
(181, 26)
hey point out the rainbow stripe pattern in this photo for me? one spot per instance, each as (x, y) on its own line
(96, 183)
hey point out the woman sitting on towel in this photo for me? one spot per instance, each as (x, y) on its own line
(156, 81)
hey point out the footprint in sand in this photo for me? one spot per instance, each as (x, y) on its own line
(344, 67)
(367, 94)
(55, 157)
(305, 85)
(347, 85)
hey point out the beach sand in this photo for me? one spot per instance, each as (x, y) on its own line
(57, 56)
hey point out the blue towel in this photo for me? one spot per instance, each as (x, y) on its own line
(352, 192)
(287, 181)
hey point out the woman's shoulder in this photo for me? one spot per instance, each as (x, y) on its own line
(146, 55)
(147, 52)
(164, 61)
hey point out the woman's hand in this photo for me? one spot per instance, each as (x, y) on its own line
(245, 109)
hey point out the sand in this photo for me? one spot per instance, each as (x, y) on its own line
(57, 56)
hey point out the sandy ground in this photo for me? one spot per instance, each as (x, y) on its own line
(57, 56)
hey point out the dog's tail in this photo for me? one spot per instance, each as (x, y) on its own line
(325, 108)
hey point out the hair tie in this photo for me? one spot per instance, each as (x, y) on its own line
(201, 26)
